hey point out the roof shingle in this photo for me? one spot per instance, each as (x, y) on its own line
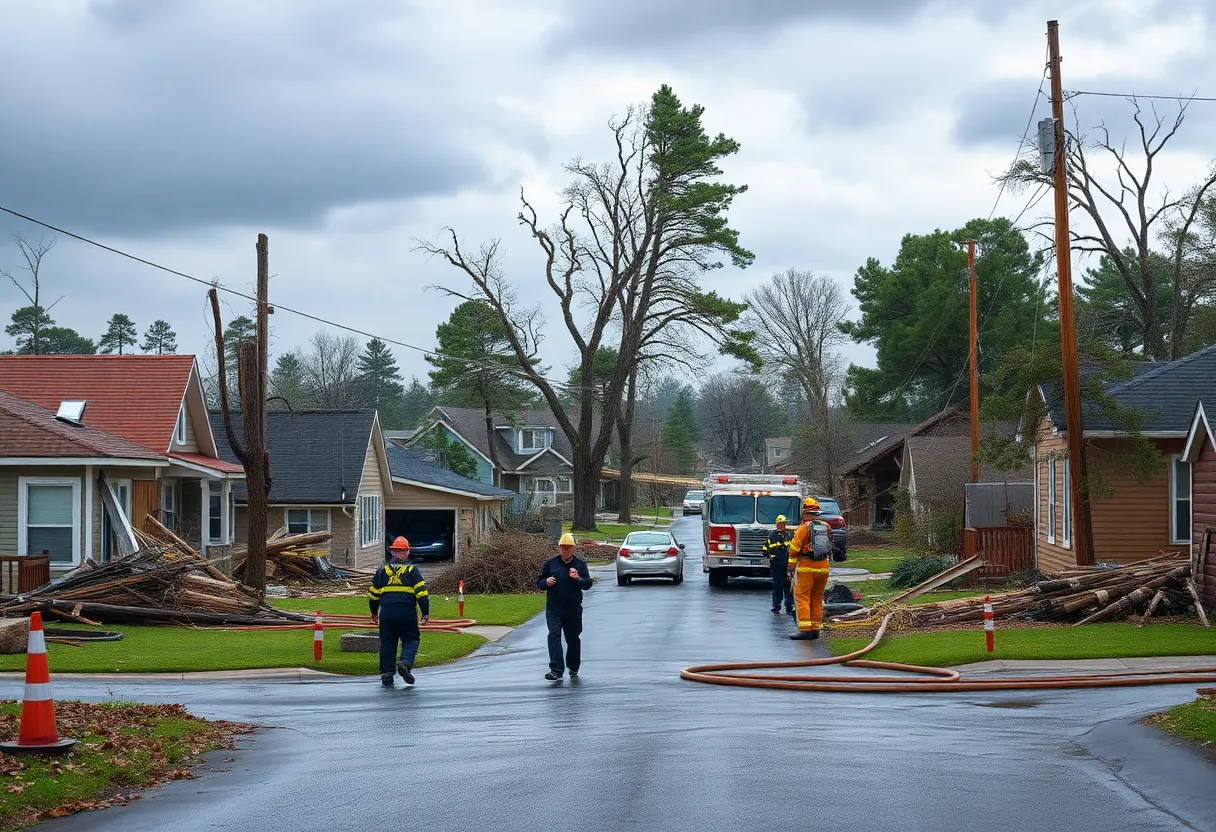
(29, 430)
(422, 466)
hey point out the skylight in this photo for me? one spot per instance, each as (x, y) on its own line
(71, 411)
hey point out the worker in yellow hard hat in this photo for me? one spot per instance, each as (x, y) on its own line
(777, 548)
(564, 577)
(809, 552)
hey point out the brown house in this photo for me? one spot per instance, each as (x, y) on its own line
(1139, 518)
(1200, 454)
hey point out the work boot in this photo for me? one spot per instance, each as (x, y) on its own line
(404, 670)
(776, 610)
(573, 674)
(805, 635)
(553, 675)
(789, 611)
(386, 679)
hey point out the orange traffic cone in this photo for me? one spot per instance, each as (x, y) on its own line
(38, 733)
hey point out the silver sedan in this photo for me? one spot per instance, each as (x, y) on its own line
(653, 554)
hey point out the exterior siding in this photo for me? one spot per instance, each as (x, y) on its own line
(371, 484)
(1203, 494)
(8, 511)
(485, 473)
(1051, 557)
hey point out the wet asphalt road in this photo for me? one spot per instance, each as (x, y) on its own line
(487, 744)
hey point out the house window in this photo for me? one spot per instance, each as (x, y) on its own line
(369, 520)
(1180, 500)
(565, 485)
(215, 512)
(1066, 502)
(179, 430)
(168, 505)
(304, 520)
(1051, 500)
(49, 518)
(533, 440)
(781, 451)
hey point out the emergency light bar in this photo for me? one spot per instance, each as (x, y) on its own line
(757, 479)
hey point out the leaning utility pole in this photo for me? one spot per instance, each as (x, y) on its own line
(975, 376)
(1070, 364)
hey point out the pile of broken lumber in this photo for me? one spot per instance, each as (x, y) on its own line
(161, 583)
(1082, 595)
(297, 558)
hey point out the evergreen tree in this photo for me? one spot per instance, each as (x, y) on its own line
(680, 434)
(61, 340)
(455, 454)
(27, 325)
(379, 374)
(286, 383)
(121, 333)
(416, 402)
(159, 339)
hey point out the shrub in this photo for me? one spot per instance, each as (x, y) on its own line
(916, 569)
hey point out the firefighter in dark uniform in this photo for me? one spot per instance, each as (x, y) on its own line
(396, 595)
(777, 550)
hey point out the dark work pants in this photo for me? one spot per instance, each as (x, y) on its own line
(781, 585)
(567, 620)
(398, 623)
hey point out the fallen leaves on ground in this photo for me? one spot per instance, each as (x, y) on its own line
(122, 747)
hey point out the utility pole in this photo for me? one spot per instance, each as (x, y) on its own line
(974, 371)
(1081, 535)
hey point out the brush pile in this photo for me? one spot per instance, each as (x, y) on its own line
(508, 562)
(1081, 596)
(160, 584)
(297, 558)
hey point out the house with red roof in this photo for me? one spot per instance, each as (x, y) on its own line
(91, 446)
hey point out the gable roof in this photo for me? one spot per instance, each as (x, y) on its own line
(1164, 393)
(314, 454)
(1199, 435)
(469, 423)
(940, 467)
(894, 440)
(420, 467)
(136, 397)
(30, 431)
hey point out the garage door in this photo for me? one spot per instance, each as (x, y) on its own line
(431, 532)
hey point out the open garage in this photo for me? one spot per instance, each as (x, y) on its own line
(430, 531)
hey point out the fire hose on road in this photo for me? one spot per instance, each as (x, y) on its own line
(923, 680)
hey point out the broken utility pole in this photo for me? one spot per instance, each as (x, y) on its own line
(1069, 360)
(974, 372)
(252, 453)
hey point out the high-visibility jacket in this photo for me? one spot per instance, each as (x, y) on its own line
(398, 584)
(777, 548)
(801, 545)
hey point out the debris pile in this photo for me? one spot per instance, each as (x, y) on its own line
(1081, 595)
(507, 562)
(161, 583)
(296, 558)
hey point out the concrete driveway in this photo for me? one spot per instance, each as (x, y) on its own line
(487, 744)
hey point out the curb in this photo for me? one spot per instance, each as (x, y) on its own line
(1142, 664)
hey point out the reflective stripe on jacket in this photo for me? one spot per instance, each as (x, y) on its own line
(398, 584)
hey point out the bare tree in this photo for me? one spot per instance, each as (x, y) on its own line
(32, 251)
(331, 371)
(795, 316)
(738, 413)
(622, 261)
(1132, 204)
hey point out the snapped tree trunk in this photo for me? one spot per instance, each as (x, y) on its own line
(492, 443)
(257, 468)
(625, 433)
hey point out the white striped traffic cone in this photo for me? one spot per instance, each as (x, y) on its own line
(38, 733)
(989, 623)
(318, 638)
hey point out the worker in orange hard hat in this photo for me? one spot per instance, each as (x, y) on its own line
(396, 595)
(809, 552)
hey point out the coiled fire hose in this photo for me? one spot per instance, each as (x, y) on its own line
(925, 680)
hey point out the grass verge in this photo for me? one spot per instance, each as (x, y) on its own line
(122, 747)
(616, 532)
(184, 650)
(1194, 721)
(1093, 641)
(491, 610)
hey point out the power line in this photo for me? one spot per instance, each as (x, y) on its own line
(1074, 93)
(308, 315)
(1025, 132)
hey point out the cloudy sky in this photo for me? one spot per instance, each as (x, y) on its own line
(179, 129)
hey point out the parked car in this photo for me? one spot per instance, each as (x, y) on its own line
(426, 546)
(694, 502)
(649, 555)
(829, 512)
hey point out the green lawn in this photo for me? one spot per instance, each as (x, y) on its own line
(873, 592)
(181, 650)
(1093, 641)
(1195, 721)
(495, 610)
(652, 511)
(876, 562)
(615, 532)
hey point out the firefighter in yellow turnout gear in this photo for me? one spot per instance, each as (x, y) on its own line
(810, 569)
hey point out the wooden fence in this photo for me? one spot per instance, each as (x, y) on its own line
(1004, 549)
(23, 573)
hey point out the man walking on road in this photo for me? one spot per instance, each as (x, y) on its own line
(809, 551)
(564, 577)
(778, 550)
(395, 596)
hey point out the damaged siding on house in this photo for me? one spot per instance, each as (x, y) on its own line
(1203, 494)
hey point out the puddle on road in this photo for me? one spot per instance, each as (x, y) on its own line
(1016, 705)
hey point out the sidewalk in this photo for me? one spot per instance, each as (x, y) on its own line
(1142, 664)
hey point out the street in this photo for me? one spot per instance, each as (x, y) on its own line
(487, 744)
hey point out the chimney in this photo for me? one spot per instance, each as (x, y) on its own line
(523, 411)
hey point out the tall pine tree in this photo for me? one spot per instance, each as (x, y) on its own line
(121, 333)
(159, 339)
